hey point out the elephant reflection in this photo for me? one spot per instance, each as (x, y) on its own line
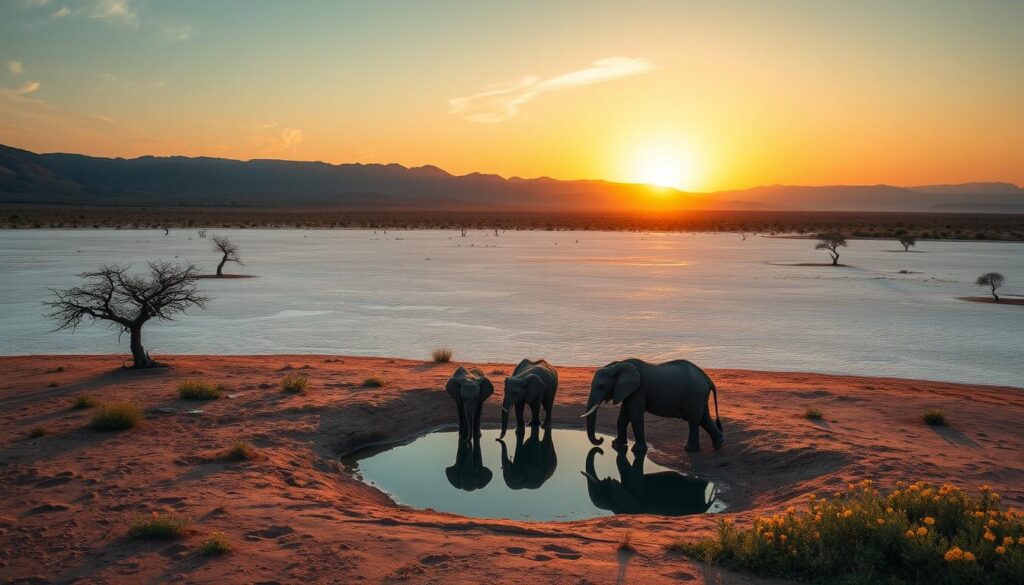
(532, 464)
(666, 493)
(468, 473)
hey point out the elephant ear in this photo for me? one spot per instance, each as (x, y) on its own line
(486, 388)
(627, 382)
(452, 387)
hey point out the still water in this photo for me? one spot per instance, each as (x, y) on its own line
(540, 475)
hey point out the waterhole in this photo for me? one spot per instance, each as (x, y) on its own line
(541, 475)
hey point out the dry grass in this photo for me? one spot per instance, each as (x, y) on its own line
(196, 389)
(117, 416)
(813, 414)
(241, 451)
(84, 401)
(37, 432)
(217, 544)
(442, 355)
(934, 417)
(295, 383)
(159, 526)
(374, 382)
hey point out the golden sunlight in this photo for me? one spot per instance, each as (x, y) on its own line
(664, 167)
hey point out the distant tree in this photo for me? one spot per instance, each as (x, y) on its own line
(908, 240)
(127, 301)
(229, 252)
(993, 280)
(831, 242)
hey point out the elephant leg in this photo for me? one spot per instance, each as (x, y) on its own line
(639, 437)
(693, 442)
(479, 413)
(535, 411)
(462, 418)
(717, 436)
(520, 418)
(548, 403)
(621, 425)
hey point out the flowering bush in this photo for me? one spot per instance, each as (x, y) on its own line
(916, 533)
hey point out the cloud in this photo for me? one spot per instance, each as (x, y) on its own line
(498, 103)
(28, 87)
(15, 67)
(175, 32)
(284, 140)
(61, 12)
(115, 11)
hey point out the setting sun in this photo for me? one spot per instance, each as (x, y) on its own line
(663, 167)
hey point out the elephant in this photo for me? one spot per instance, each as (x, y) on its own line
(676, 389)
(469, 388)
(665, 493)
(533, 383)
(534, 461)
(468, 473)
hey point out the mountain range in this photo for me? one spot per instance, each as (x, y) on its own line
(74, 179)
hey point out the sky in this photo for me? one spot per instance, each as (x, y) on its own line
(698, 95)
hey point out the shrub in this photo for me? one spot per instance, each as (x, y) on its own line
(216, 544)
(295, 383)
(158, 526)
(374, 382)
(52, 385)
(626, 544)
(84, 401)
(913, 534)
(37, 432)
(442, 355)
(117, 416)
(934, 417)
(200, 390)
(813, 414)
(241, 451)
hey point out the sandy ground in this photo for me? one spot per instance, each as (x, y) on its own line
(67, 498)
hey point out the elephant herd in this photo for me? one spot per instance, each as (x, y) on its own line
(674, 389)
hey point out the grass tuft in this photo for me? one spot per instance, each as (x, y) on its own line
(934, 417)
(626, 544)
(117, 416)
(374, 382)
(37, 432)
(159, 526)
(442, 355)
(83, 401)
(200, 390)
(241, 451)
(216, 544)
(52, 385)
(917, 533)
(813, 414)
(295, 383)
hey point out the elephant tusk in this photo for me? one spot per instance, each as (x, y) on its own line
(590, 477)
(503, 409)
(589, 412)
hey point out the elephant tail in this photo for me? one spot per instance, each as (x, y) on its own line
(714, 390)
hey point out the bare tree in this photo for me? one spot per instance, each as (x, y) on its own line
(908, 240)
(127, 301)
(831, 242)
(229, 251)
(993, 280)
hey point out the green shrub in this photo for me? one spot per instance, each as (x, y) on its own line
(813, 414)
(241, 451)
(84, 401)
(913, 534)
(442, 355)
(216, 544)
(200, 390)
(295, 383)
(158, 526)
(374, 382)
(934, 417)
(117, 416)
(37, 432)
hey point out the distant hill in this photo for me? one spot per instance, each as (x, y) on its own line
(72, 179)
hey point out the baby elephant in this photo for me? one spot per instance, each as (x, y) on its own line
(532, 383)
(469, 389)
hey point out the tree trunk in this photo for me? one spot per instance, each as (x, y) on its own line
(835, 260)
(139, 357)
(994, 295)
(220, 267)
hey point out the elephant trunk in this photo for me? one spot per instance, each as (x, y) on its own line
(591, 473)
(470, 412)
(592, 405)
(504, 423)
(504, 455)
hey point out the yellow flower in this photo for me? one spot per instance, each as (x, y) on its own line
(954, 554)
(894, 494)
(992, 523)
(979, 514)
(986, 488)
(968, 556)
(838, 494)
(769, 535)
(847, 513)
(929, 520)
(1020, 540)
(989, 536)
(889, 510)
(1000, 550)
(1007, 540)
(922, 531)
(881, 521)
(851, 486)
(900, 484)
(812, 497)
(926, 492)
(783, 538)
(910, 534)
(817, 535)
(914, 487)
(791, 510)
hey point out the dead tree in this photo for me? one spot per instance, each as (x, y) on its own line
(908, 240)
(831, 242)
(228, 250)
(992, 280)
(127, 301)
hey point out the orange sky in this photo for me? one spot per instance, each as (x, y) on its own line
(702, 96)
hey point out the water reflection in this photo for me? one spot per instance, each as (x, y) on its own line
(533, 462)
(469, 473)
(666, 493)
(421, 473)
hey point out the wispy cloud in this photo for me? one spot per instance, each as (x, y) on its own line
(28, 87)
(61, 12)
(114, 11)
(282, 141)
(500, 102)
(175, 32)
(15, 67)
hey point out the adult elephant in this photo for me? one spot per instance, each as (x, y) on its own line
(469, 389)
(468, 472)
(675, 389)
(665, 493)
(533, 463)
(533, 383)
